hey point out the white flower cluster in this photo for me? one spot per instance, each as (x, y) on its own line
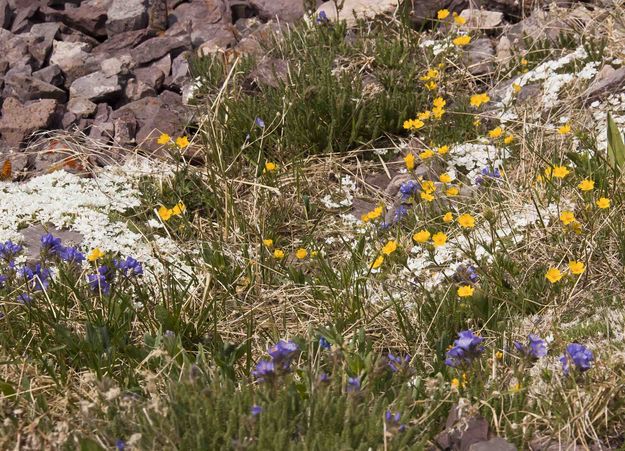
(345, 196)
(473, 157)
(85, 205)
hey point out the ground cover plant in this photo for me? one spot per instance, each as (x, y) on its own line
(378, 250)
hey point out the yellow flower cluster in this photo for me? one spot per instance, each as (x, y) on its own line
(479, 99)
(373, 214)
(430, 80)
(576, 268)
(166, 213)
(182, 141)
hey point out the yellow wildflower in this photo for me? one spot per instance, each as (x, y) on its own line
(430, 74)
(163, 139)
(268, 242)
(499, 355)
(466, 221)
(426, 154)
(421, 236)
(278, 254)
(409, 160)
(439, 102)
(270, 166)
(461, 41)
(459, 20)
(165, 213)
(495, 132)
(439, 239)
(431, 85)
(424, 115)
(182, 142)
(465, 291)
(413, 124)
(576, 267)
(477, 122)
(560, 172)
(389, 247)
(428, 186)
(95, 254)
(301, 253)
(603, 203)
(442, 150)
(516, 388)
(448, 217)
(455, 383)
(445, 178)
(586, 185)
(516, 87)
(377, 262)
(479, 99)
(427, 197)
(178, 209)
(442, 14)
(565, 129)
(508, 139)
(452, 191)
(523, 62)
(567, 217)
(553, 275)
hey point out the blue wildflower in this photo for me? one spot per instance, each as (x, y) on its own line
(51, 244)
(396, 363)
(259, 122)
(282, 352)
(535, 349)
(72, 255)
(472, 274)
(580, 355)
(324, 344)
(99, 282)
(408, 188)
(323, 377)
(169, 334)
(466, 348)
(264, 369)
(400, 213)
(353, 384)
(256, 410)
(322, 18)
(120, 445)
(129, 267)
(37, 278)
(8, 250)
(24, 298)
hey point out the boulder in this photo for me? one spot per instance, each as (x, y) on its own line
(479, 56)
(120, 43)
(353, 9)
(117, 65)
(23, 14)
(89, 17)
(494, 444)
(607, 80)
(136, 90)
(73, 59)
(179, 71)
(19, 120)
(43, 36)
(158, 47)
(25, 87)
(81, 107)
(125, 126)
(6, 14)
(205, 20)
(152, 76)
(96, 87)
(13, 51)
(481, 19)
(285, 10)
(51, 74)
(127, 15)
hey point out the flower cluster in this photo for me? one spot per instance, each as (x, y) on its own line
(535, 349)
(281, 355)
(465, 349)
(166, 213)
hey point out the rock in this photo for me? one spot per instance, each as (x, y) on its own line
(51, 74)
(179, 71)
(89, 17)
(81, 107)
(158, 47)
(127, 15)
(503, 50)
(462, 429)
(353, 9)
(164, 65)
(157, 15)
(13, 51)
(285, 10)
(121, 43)
(136, 90)
(268, 72)
(151, 76)
(96, 87)
(44, 34)
(119, 65)
(607, 80)
(6, 15)
(480, 19)
(73, 59)
(206, 19)
(479, 57)
(536, 27)
(19, 120)
(424, 11)
(494, 444)
(125, 128)
(23, 14)
(25, 87)
(33, 233)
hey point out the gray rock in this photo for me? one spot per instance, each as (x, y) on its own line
(284, 10)
(26, 87)
(117, 65)
(479, 56)
(96, 87)
(125, 125)
(481, 19)
(136, 90)
(81, 107)
(164, 65)
(179, 71)
(19, 120)
(13, 51)
(127, 15)
(205, 20)
(32, 238)
(121, 43)
(157, 15)
(6, 15)
(158, 47)
(268, 72)
(351, 9)
(607, 80)
(23, 14)
(494, 444)
(73, 59)
(151, 76)
(89, 17)
(43, 36)
(50, 74)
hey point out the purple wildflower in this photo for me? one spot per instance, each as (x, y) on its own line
(256, 410)
(37, 278)
(397, 363)
(120, 445)
(472, 274)
(259, 122)
(466, 348)
(169, 334)
(400, 213)
(99, 282)
(324, 344)
(323, 377)
(51, 244)
(9, 250)
(407, 189)
(535, 349)
(322, 18)
(580, 355)
(72, 255)
(129, 267)
(24, 298)
(264, 369)
(282, 352)
(353, 384)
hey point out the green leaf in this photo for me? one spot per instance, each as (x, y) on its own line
(7, 388)
(616, 147)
